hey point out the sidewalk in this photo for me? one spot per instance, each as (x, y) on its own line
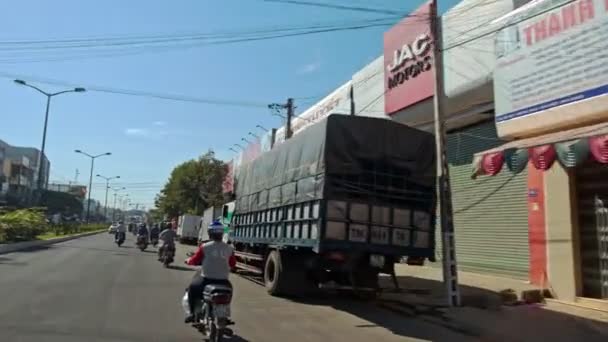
(483, 316)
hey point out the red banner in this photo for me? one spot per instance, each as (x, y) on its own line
(228, 184)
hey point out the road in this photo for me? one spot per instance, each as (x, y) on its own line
(88, 289)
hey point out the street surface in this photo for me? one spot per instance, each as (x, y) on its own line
(90, 290)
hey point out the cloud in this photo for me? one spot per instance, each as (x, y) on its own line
(309, 68)
(159, 123)
(136, 132)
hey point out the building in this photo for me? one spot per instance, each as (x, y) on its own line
(544, 227)
(79, 191)
(553, 107)
(19, 173)
(33, 154)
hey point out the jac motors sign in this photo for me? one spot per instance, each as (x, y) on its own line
(408, 60)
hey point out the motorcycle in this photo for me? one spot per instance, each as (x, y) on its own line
(212, 315)
(120, 238)
(167, 254)
(142, 242)
(154, 241)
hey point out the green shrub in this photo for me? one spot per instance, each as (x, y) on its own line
(22, 225)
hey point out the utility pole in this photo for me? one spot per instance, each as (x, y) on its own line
(289, 106)
(352, 100)
(273, 137)
(276, 108)
(450, 269)
(76, 176)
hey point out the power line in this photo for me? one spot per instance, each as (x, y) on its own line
(335, 6)
(172, 97)
(512, 23)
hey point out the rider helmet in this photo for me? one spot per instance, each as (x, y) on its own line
(216, 230)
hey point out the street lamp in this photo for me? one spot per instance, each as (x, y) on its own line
(108, 179)
(91, 176)
(241, 147)
(253, 135)
(245, 140)
(46, 119)
(116, 190)
(233, 150)
(262, 128)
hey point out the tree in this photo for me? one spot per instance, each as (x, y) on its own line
(193, 186)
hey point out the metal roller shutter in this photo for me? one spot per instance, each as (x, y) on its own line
(490, 213)
(592, 198)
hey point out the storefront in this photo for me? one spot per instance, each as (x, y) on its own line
(553, 105)
(490, 216)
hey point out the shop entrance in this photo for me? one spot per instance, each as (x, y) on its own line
(592, 196)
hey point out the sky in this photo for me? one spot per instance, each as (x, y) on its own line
(149, 136)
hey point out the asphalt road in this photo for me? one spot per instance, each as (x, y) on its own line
(90, 290)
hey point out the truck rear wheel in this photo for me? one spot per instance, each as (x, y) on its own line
(275, 277)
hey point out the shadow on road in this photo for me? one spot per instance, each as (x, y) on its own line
(9, 261)
(483, 313)
(180, 268)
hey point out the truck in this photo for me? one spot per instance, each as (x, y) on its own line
(335, 206)
(187, 228)
(210, 214)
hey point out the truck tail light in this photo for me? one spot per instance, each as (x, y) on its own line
(221, 298)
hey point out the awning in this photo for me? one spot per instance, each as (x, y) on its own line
(570, 147)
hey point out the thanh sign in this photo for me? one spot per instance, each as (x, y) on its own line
(552, 69)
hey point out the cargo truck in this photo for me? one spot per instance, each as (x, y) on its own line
(187, 228)
(338, 203)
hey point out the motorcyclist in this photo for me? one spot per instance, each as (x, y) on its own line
(167, 236)
(216, 258)
(154, 231)
(121, 229)
(142, 231)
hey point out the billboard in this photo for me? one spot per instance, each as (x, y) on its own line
(552, 69)
(408, 60)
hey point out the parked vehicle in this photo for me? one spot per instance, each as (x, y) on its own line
(187, 228)
(120, 238)
(338, 203)
(209, 215)
(212, 315)
(142, 242)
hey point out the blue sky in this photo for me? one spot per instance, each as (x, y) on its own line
(148, 136)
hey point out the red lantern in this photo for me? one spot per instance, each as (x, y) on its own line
(599, 148)
(543, 156)
(492, 163)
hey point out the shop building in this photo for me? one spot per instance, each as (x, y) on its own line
(550, 87)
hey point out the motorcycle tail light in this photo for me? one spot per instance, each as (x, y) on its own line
(221, 299)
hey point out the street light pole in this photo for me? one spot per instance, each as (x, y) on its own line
(91, 176)
(116, 190)
(105, 206)
(46, 120)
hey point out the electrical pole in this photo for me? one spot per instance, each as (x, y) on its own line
(352, 100)
(289, 106)
(276, 110)
(450, 270)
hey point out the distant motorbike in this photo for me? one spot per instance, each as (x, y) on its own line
(119, 238)
(154, 241)
(142, 242)
(167, 255)
(212, 315)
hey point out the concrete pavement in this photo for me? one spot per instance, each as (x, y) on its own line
(88, 289)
